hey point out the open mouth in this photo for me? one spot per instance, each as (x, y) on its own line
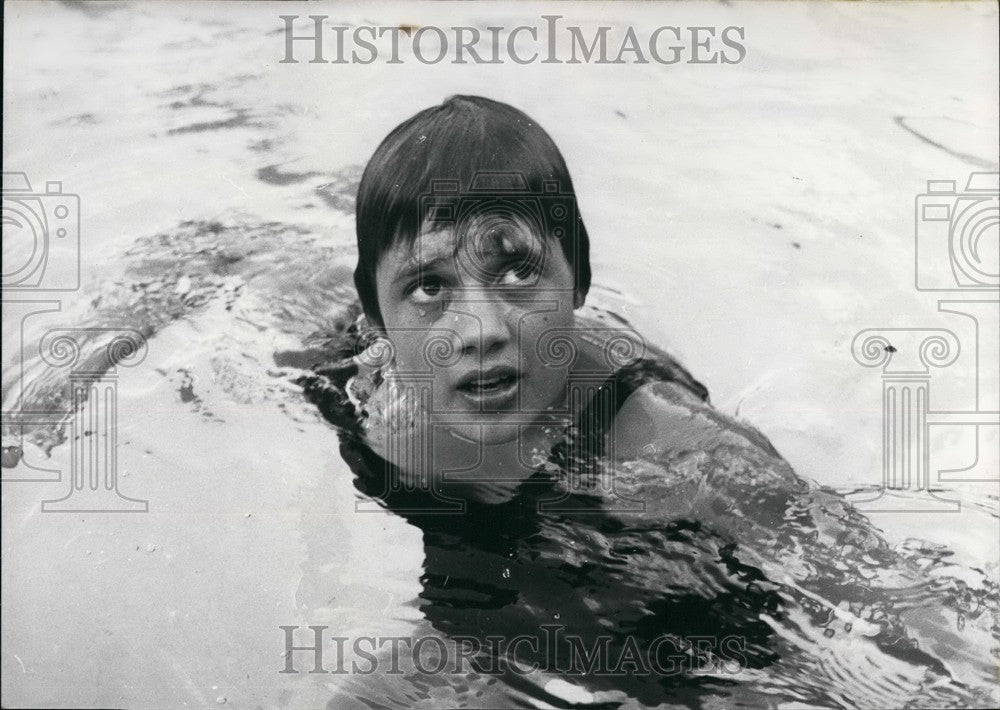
(494, 383)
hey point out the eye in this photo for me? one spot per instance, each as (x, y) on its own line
(427, 289)
(519, 272)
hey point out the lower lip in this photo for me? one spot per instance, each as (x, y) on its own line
(495, 397)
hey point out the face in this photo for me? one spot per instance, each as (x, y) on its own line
(477, 316)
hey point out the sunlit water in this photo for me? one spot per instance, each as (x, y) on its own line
(732, 543)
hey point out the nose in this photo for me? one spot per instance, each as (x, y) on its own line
(484, 323)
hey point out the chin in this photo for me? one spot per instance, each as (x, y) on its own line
(489, 429)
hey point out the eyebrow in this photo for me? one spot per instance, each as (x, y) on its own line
(416, 266)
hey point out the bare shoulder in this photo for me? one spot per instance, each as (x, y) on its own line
(663, 418)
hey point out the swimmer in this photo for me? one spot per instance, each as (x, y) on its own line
(473, 275)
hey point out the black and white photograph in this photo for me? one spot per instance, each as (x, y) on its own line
(500, 354)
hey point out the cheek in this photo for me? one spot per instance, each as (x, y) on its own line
(546, 341)
(553, 310)
(425, 349)
(408, 329)
(408, 348)
(557, 273)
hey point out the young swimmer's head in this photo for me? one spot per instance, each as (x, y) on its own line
(464, 137)
(472, 258)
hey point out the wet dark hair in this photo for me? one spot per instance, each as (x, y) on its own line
(462, 142)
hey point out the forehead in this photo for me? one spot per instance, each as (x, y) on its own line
(476, 239)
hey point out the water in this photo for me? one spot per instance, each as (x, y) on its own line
(224, 235)
(738, 580)
(733, 547)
